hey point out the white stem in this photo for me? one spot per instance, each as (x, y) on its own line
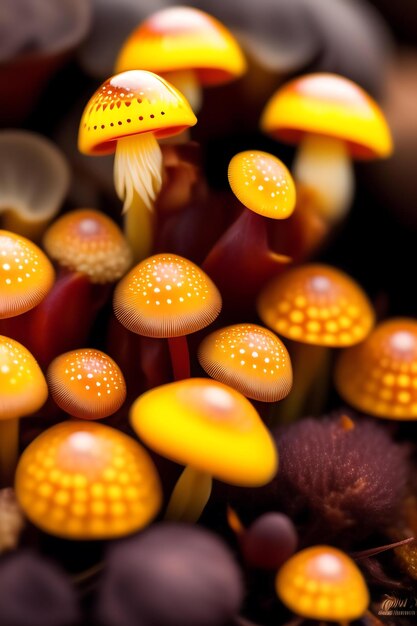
(188, 84)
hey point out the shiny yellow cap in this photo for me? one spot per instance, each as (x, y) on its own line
(262, 183)
(329, 105)
(209, 426)
(250, 359)
(183, 38)
(379, 376)
(316, 304)
(322, 583)
(130, 103)
(83, 480)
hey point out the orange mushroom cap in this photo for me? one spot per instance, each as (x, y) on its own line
(212, 427)
(379, 376)
(332, 106)
(26, 274)
(22, 384)
(318, 305)
(166, 296)
(83, 480)
(250, 359)
(89, 242)
(183, 38)
(128, 104)
(86, 383)
(323, 583)
(262, 183)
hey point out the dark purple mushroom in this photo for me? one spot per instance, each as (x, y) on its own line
(269, 541)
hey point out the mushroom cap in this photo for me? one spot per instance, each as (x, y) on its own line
(250, 359)
(86, 383)
(184, 38)
(89, 242)
(166, 295)
(26, 274)
(211, 427)
(23, 386)
(83, 480)
(379, 376)
(332, 106)
(317, 304)
(322, 583)
(130, 103)
(262, 183)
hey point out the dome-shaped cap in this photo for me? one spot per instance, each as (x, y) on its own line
(250, 359)
(83, 480)
(183, 38)
(130, 103)
(26, 274)
(316, 304)
(332, 106)
(379, 376)
(323, 583)
(166, 296)
(23, 386)
(86, 383)
(211, 427)
(262, 183)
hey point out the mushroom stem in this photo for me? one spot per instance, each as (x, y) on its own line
(187, 83)
(138, 181)
(190, 496)
(180, 359)
(9, 450)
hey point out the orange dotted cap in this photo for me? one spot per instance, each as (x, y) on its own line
(211, 427)
(262, 183)
(89, 242)
(322, 583)
(26, 274)
(166, 296)
(86, 383)
(250, 359)
(332, 106)
(183, 38)
(23, 386)
(83, 480)
(131, 103)
(379, 376)
(318, 305)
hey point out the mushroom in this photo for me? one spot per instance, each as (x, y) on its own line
(213, 430)
(83, 480)
(379, 376)
(34, 180)
(127, 115)
(188, 47)
(250, 359)
(23, 391)
(167, 296)
(323, 583)
(86, 383)
(317, 307)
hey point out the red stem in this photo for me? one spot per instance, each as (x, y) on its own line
(180, 358)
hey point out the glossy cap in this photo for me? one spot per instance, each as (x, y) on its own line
(332, 106)
(379, 376)
(89, 242)
(183, 38)
(317, 304)
(83, 480)
(211, 427)
(26, 274)
(262, 183)
(23, 386)
(166, 296)
(128, 104)
(86, 383)
(322, 583)
(250, 359)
